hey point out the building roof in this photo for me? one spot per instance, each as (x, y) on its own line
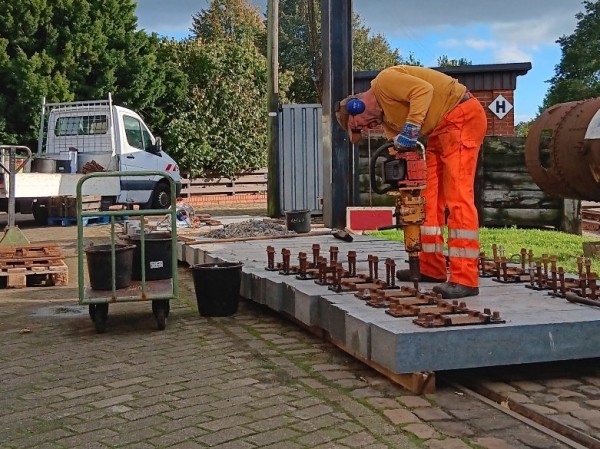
(475, 77)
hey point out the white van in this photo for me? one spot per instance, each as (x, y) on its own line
(76, 138)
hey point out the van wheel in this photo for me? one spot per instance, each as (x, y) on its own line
(161, 198)
(40, 213)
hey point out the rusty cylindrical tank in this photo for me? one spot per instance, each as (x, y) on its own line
(562, 150)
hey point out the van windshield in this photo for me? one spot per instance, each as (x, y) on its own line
(82, 125)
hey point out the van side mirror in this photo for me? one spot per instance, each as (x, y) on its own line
(157, 145)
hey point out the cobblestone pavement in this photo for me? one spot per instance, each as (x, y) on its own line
(253, 380)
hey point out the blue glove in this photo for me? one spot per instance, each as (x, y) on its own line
(408, 136)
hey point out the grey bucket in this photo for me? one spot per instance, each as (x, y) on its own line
(298, 220)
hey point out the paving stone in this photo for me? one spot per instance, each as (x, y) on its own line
(560, 383)
(541, 409)
(246, 381)
(414, 401)
(519, 398)
(401, 416)
(313, 412)
(563, 393)
(237, 444)
(492, 423)
(499, 387)
(181, 435)
(431, 414)
(564, 406)
(225, 423)
(586, 414)
(589, 390)
(422, 431)
(573, 422)
(263, 439)
(527, 385)
(361, 440)
(131, 436)
(361, 393)
(382, 403)
(457, 429)
(448, 443)
(222, 436)
(113, 401)
(493, 443)
(526, 437)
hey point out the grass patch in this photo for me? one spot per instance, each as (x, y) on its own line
(566, 247)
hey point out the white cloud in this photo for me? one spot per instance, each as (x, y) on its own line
(480, 44)
(396, 19)
(510, 53)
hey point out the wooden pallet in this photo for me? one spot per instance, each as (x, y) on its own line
(29, 252)
(55, 273)
(32, 265)
(86, 221)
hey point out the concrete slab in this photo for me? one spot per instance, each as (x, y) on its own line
(404, 347)
(538, 327)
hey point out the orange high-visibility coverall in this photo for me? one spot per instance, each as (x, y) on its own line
(455, 123)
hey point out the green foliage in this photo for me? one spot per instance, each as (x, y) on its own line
(299, 51)
(73, 50)
(522, 128)
(371, 52)
(567, 247)
(577, 77)
(220, 130)
(444, 61)
(229, 20)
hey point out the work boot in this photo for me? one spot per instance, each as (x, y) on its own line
(452, 290)
(404, 275)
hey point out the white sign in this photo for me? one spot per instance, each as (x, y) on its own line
(500, 106)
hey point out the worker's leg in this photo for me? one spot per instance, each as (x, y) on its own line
(432, 260)
(461, 141)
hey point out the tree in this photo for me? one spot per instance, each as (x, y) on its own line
(229, 20)
(444, 61)
(300, 49)
(371, 52)
(220, 129)
(522, 128)
(73, 49)
(577, 77)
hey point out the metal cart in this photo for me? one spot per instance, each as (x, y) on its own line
(159, 292)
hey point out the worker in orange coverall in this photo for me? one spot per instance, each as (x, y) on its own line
(410, 102)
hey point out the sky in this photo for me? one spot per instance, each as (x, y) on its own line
(481, 31)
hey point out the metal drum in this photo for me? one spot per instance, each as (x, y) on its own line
(558, 156)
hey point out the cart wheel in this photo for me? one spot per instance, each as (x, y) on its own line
(160, 308)
(100, 316)
(92, 310)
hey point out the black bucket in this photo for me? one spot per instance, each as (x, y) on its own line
(217, 287)
(158, 256)
(298, 221)
(63, 166)
(100, 267)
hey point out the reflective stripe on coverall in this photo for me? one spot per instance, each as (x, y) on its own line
(452, 152)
